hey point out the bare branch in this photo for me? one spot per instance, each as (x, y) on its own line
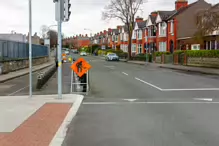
(125, 10)
(208, 21)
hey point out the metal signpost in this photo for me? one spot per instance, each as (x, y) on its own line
(62, 9)
(30, 48)
(80, 76)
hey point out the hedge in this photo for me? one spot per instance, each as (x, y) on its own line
(160, 53)
(202, 53)
(199, 53)
(142, 57)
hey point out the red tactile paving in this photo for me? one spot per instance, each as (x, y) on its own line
(39, 129)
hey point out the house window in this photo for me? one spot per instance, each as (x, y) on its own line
(121, 36)
(134, 35)
(149, 31)
(153, 31)
(213, 45)
(195, 47)
(139, 48)
(139, 34)
(133, 47)
(162, 29)
(171, 27)
(162, 47)
(116, 38)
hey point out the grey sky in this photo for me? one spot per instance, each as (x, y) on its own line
(85, 14)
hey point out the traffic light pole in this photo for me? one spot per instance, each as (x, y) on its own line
(30, 48)
(59, 52)
(62, 13)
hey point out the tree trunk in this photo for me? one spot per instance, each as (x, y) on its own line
(129, 47)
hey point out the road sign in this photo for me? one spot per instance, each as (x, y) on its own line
(80, 67)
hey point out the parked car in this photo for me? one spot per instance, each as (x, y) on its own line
(111, 57)
(83, 54)
(67, 52)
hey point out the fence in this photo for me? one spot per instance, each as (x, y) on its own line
(10, 50)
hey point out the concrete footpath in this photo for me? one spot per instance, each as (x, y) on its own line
(22, 72)
(41, 120)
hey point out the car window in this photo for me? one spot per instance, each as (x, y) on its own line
(112, 55)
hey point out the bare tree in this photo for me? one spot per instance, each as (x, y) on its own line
(208, 20)
(43, 31)
(125, 10)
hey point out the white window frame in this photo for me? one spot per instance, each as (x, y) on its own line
(134, 35)
(133, 47)
(140, 34)
(162, 32)
(162, 46)
(195, 47)
(171, 27)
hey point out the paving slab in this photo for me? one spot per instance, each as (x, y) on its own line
(39, 120)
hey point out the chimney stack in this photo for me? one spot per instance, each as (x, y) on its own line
(139, 19)
(180, 3)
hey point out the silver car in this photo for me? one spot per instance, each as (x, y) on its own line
(111, 57)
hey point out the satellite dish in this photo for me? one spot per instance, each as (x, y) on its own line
(164, 25)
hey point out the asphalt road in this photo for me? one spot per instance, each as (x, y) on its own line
(134, 105)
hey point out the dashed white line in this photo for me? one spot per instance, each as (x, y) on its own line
(204, 99)
(125, 73)
(148, 84)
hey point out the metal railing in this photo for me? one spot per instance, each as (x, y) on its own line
(10, 50)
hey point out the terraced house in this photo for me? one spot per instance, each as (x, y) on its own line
(151, 33)
(164, 31)
(124, 38)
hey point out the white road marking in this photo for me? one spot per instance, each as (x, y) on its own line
(110, 67)
(17, 91)
(166, 90)
(130, 100)
(204, 99)
(125, 73)
(193, 89)
(148, 84)
(104, 103)
(62, 131)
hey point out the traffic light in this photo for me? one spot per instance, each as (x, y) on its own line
(67, 11)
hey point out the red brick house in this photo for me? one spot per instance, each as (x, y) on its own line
(137, 36)
(174, 27)
(150, 33)
(161, 27)
(124, 38)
